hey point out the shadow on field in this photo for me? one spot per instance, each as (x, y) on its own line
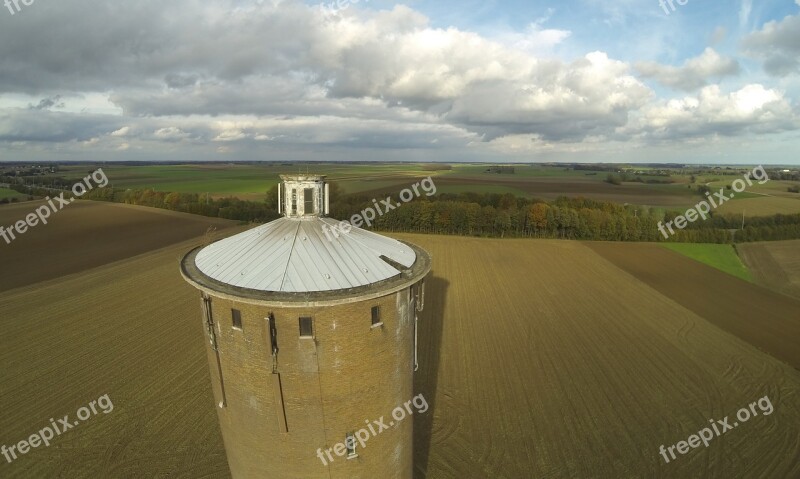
(425, 379)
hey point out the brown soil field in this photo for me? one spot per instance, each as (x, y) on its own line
(766, 319)
(775, 265)
(87, 234)
(550, 189)
(549, 361)
(538, 359)
(130, 330)
(762, 206)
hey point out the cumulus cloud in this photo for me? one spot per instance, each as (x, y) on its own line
(590, 96)
(293, 60)
(122, 132)
(171, 133)
(777, 45)
(711, 113)
(693, 74)
(233, 75)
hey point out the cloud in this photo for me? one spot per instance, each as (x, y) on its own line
(777, 45)
(171, 133)
(591, 96)
(47, 103)
(535, 39)
(234, 77)
(712, 113)
(744, 13)
(693, 74)
(293, 60)
(122, 132)
(32, 125)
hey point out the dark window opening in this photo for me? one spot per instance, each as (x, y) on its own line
(306, 328)
(294, 201)
(308, 201)
(237, 319)
(376, 315)
(273, 334)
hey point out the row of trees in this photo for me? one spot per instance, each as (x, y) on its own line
(491, 214)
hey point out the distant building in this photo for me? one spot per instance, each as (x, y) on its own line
(309, 336)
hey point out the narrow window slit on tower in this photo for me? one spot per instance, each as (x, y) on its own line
(376, 316)
(273, 339)
(306, 327)
(236, 316)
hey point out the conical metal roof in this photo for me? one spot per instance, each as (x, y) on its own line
(294, 255)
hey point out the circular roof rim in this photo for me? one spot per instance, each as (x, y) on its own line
(417, 272)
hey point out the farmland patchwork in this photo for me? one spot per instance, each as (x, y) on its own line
(703, 209)
(53, 205)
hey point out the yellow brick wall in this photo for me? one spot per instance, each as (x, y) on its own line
(348, 374)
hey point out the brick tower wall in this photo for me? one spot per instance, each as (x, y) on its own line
(275, 415)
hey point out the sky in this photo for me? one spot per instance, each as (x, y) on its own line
(626, 81)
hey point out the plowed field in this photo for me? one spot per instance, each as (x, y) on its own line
(539, 359)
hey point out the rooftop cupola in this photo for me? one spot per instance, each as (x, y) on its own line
(303, 196)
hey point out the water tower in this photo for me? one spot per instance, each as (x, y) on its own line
(310, 335)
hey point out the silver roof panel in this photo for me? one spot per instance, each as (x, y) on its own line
(295, 255)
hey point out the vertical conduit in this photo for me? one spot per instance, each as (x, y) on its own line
(413, 309)
(277, 384)
(284, 423)
(212, 337)
(417, 302)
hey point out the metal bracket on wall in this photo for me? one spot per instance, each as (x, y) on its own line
(421, 296)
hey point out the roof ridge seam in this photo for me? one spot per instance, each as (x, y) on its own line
(289, 260)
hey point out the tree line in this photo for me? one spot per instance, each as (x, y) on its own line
(480, 214)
